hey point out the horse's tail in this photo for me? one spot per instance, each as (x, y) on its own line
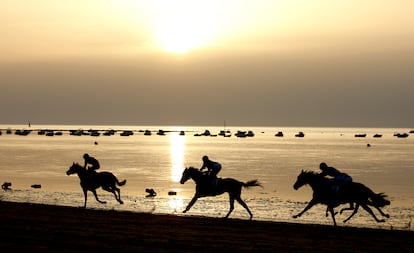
(379, 199)
(252, 183)
(123, 182)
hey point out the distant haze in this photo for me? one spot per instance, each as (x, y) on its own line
(326, 64)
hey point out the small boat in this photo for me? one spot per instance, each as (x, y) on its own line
(250, 134)
(279, 134)
(206, 133)
(241, 134)
(160, 132)
(377, 135)
(22, 132)
(109, 132)
(127, 133)
(182, 133)
(360, 135)
(404, 135)
(300, 134)
(49, 133)
(76, 132)
(172, 193)
(147, 132)
(224, 133)
(95, 133)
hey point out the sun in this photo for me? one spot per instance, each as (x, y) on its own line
(182, 26)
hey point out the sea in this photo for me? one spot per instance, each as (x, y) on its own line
(154, 157)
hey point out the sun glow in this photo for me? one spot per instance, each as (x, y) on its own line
(181, 26)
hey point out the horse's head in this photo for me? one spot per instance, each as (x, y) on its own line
(189, 173)
(75, 168)
(185, 176)
(303, 179)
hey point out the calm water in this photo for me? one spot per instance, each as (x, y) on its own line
(157, 162)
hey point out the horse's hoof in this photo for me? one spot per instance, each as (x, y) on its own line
(381, 221)
(121, 202)
(295, 216)
(387, 215)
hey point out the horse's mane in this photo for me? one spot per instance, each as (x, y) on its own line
(309, 172)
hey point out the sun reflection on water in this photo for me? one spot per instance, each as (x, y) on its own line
(177, 149)
(176, 203)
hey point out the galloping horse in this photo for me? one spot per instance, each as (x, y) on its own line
(90, 182)
(205, 188)
(348, 192)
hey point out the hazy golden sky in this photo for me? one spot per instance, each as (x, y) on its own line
(281, 63)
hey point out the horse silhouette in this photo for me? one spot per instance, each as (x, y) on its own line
(346, 192)
(90, 181)
(205, 186)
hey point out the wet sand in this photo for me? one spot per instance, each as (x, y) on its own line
(46, 228)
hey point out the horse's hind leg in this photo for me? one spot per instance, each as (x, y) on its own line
(241, 202)
(96, 197)
(118, 197)
(353, 213)
(114, 190)
(231, 206)
(351, 207)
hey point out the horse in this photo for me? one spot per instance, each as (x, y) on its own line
(205, 188)
(90, 181)
(347, 192)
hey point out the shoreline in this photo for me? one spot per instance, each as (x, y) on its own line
(48, 228)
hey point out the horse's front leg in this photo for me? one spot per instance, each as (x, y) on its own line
(331, 210)
(85, 194)
(372, 213)
(381, 212)
(96, 197)
(327, 212)
(193, 200)
(310, 204)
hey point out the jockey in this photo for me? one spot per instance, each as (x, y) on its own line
(337, 176)
(92, 161)
(213, 168)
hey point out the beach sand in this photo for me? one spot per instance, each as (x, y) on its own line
(46, 228)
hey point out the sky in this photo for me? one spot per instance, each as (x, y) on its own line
(327, 63)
